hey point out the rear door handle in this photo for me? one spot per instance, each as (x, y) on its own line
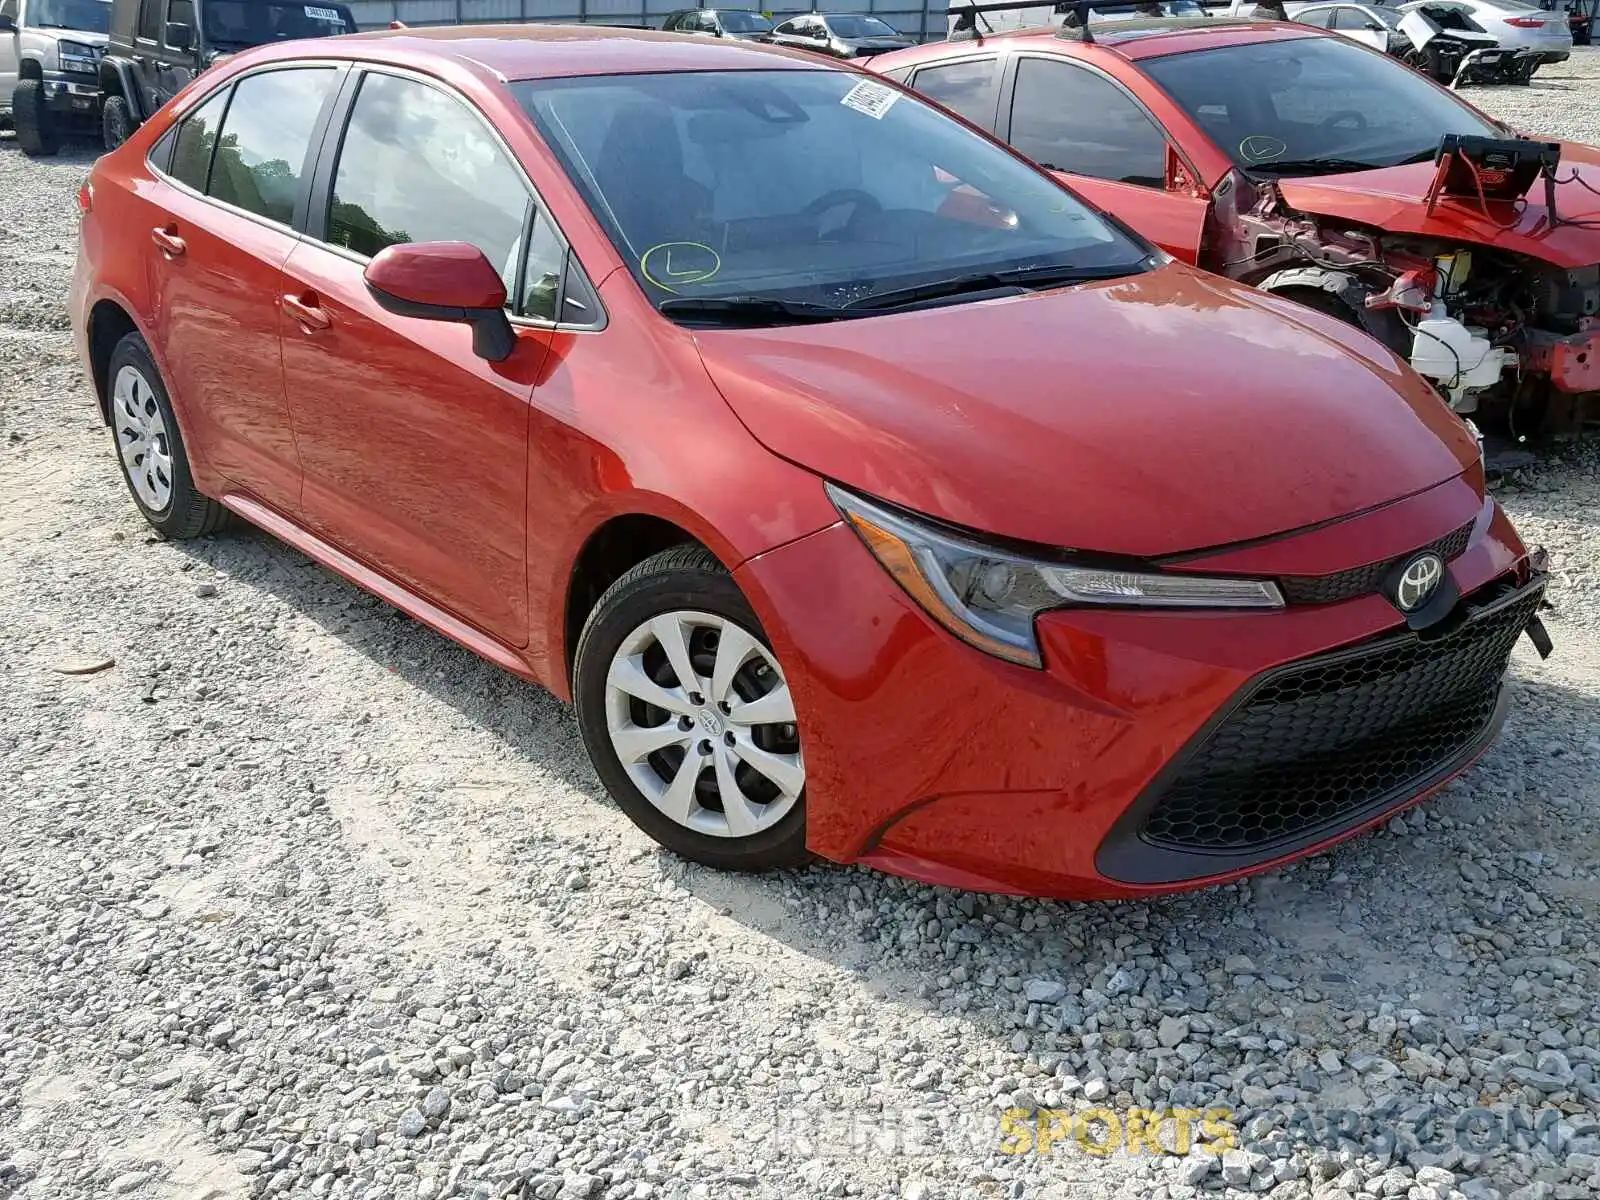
(170, 243)
(306, 310)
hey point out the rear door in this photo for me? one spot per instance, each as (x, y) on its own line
(233, 184)
(1085, 127)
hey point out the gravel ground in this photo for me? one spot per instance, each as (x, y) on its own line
(300, 899)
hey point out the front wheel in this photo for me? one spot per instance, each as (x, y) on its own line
(116, 122)
(34, 122)
(688, 717)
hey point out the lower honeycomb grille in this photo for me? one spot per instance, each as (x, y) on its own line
(1318, 742)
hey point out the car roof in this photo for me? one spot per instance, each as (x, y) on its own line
(516, 52)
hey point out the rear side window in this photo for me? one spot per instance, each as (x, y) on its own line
(968, 88)
(417, 165)
(1315, 16)
(1067, 118)
(197, 138)
(265, 139)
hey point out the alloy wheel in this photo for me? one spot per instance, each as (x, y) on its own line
(701, 718)
(142, 438)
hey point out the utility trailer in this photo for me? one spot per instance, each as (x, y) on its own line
(925, 21)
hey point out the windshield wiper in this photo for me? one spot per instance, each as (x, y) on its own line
(1017, 279)
(748, 310)
(1313, 166)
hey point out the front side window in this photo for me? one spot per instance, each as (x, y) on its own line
(181, 12)
(1304, 105)
(261, 155)
(197, 138)
(745, 22)
(815, 186)
(417, 165)
(968, 88)
(860, 27)
(1067, 118)
(90, 16)
(150, 19)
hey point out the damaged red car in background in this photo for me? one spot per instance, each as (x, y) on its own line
(1308, 165)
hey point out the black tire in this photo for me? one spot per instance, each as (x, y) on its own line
(186, 513)
(35, 124)
(116, 122)
(682, 578)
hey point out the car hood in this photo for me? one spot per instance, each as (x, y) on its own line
(1165, 412)
(83, 37)
(1395, 199)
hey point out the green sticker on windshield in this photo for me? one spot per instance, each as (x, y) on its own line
(1259, 147)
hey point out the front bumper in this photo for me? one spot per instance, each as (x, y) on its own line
(69, 94)
(928, 759)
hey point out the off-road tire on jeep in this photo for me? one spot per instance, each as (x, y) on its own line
(116, 122)
(34, 123)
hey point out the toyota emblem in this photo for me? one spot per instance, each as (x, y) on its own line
(1418, 582)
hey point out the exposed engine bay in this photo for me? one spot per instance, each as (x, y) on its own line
(1504, 336)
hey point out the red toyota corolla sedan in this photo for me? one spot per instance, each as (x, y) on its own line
(869, 494)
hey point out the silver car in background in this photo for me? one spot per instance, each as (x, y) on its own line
(1524, 27)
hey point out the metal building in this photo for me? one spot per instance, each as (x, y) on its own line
(925, 20)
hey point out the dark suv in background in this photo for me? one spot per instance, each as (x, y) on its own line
(157, 46)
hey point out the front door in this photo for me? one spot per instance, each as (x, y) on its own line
(10, 45)
(416, 450)
(221, 229)
(1083, 127)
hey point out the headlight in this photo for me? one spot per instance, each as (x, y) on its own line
(75, 56)
(989, 597)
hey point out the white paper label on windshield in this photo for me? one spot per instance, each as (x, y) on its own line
(871, 98)
(324, 14)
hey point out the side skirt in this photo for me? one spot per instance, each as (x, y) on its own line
(382, 586)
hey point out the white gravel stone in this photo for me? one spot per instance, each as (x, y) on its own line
(293, 816)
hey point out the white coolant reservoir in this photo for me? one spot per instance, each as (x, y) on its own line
(1460, 357)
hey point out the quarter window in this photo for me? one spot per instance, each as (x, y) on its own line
(417, 166)
(968, 88)
(1069, 119)
(197, 138)
(262, 152)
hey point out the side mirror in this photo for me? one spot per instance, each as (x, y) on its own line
(179, 36)
(8, 23)
(445, 281)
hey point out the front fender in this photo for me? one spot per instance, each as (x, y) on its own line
(116, 78)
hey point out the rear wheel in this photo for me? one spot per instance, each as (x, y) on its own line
(688, 718)
(116, 122)
(150, 449)
(33, 120)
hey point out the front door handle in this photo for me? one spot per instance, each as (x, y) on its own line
(306, 310)
(170, 243)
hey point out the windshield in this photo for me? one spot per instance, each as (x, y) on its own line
(90, 16)
(744, 22)
(861, 27)
(254, 22)
(1313, 100)
(821, 187)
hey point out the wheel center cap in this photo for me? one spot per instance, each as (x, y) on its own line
(710, 722)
